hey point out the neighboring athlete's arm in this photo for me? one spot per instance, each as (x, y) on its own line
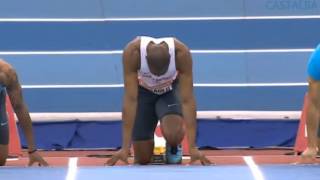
(313, 113)
(130, 56)
(184, 64)
(20, 108)
(314, 105)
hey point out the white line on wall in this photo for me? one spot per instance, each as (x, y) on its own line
(208, 115)
(110, 52)
(79, 86)
(203, 18)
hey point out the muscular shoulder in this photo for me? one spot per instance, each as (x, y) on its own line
(4, 65)
(180, 46)
(7, 72)
(133, 45)
(131, 54)
(183, 55)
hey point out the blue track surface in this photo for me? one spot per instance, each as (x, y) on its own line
(230, 34)
(208, 68)
(208, 98)
(147, 8)
(270, 172)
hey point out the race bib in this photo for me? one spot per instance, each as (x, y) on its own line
(163, 90)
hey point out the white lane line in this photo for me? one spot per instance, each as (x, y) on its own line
(235, 51)
(195, 51)
(255, 170)
(249, 84)
(200, 18)
(49, 86)
(208, 115)
(62, 86)
(72, 169)
(60, 52)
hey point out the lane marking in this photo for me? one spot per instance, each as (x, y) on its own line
(72, 168)
(254, 168)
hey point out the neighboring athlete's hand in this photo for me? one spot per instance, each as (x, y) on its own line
(310, 153)
(121, 155)
(36, 158)
(308, 156)
(196, 155)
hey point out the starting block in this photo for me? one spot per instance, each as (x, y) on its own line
(158, 159)
(159, 151)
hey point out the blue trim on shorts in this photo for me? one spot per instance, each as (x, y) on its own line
(314, 64)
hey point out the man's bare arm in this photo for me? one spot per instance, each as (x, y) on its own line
(184, 66)
(130, 59)
(20, 108)
(130, 66)
(313, 113)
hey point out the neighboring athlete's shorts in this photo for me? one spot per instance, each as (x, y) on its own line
(4, 129)
(151, 108)
(314, 64)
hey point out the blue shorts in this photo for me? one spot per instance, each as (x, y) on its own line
(314, 64)
(153, 107)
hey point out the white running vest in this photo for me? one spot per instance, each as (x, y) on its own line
(157, 84)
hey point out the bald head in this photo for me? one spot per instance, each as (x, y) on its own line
(158, 58)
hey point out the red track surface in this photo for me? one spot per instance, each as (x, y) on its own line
(219, 157)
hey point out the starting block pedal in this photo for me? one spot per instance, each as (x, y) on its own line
(158, 159)
(159, 152)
